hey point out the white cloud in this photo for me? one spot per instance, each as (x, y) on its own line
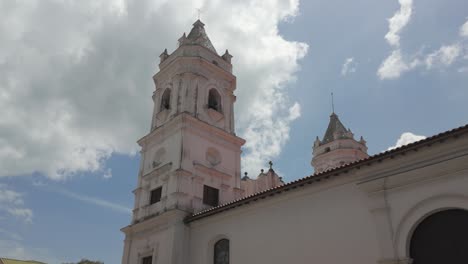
(349, 66)
(11, 235)
(78, 88)
(464, 30)
(405, 139)
(94, 201)
(267, 135)
(107, 174)
(398, 21)
(394, 65)
(12, 204)
(444, 56)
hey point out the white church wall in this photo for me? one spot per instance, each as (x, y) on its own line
(330, 226)
(404, 190)
(364, 216)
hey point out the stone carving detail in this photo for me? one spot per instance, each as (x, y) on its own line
(158, 157)
(213, 157)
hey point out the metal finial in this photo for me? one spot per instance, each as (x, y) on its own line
(262, 170)
(199, 12)
(245, 173)
(271, 164)
(333, 103)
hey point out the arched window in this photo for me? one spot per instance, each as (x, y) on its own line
(214, 100)
(166, 100)
(221, 252)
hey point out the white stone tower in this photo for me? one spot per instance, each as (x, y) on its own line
(338, 147)
(190, 160)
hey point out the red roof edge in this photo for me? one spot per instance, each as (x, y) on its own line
(317, 177)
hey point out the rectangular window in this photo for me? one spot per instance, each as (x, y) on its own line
(147, 260)
(210, 195)
(155, 195)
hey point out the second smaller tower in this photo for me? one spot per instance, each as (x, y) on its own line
(338, 147)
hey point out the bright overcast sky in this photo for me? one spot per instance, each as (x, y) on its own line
(75, 95)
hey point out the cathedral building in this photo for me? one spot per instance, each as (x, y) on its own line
(193, 206)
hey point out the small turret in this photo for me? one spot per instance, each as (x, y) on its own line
(338, 147)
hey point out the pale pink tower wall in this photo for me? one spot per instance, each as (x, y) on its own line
(338, 147)
(190, 150)
(190, 144)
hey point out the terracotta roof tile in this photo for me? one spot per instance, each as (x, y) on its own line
(317, 177)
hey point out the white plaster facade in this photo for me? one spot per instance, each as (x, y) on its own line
(364, 212)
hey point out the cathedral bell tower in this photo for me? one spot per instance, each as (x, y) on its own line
(190, 159)
(338, 147)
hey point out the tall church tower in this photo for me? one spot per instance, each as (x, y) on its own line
(338, 147)
(190, 160)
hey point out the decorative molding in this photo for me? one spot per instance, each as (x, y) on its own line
(211, 171)
(215, 115)
(160, 171)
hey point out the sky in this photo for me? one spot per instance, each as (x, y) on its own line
(75, 95)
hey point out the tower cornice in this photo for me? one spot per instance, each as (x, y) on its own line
(187, 121)
(196, 52)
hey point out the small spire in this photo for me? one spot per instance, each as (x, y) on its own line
(164, 55)
(182, 39)
(333, 103)
(245, 177)
(271, 165)
(199, 11)
(317, 141)
(227, 57)
(262, 171)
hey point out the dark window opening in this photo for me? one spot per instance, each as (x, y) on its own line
(327, 149)
(210, 195)
(147, 260)
(221, 252)
(441, 238)
(214, 100)
(166, 100)
(155, 195)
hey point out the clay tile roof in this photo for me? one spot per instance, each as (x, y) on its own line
(328, 174)
(198, 36)
(335, 126)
